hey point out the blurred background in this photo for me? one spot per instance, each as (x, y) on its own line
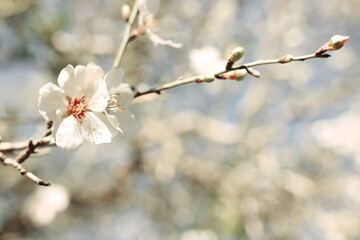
(270, 158)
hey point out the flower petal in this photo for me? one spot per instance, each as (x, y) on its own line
(81, 80)
(157, 40)
(97, 128)
(113, 78)
(88, 77)
(52, 102)
(68, 135)
(66, 75)
(144, 12)
(126, 120)
(113, 121)
(124, 95)
(99, 100)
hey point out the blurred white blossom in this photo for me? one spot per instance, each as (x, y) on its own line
(80, 107)
(206, 60)
(204, 234)
(341, 134)
(149, 24)
(45, 203)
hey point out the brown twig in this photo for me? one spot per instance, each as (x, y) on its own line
(13, 163)
(335, 43)
(13, 146)
(194, 79)
(30, 148)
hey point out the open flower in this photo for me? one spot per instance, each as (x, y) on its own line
(148, 25)
(81, 106)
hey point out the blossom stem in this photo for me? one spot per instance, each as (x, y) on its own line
(285, 59)
(126, 39)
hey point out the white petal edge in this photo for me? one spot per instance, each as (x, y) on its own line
(113, 121)
(126, 120)
(126, 95)
(87, 78)
(80, 80)
(66, 74)
(68, 135)
(52, 102)
(113, 78)
(157, 40)
(99, 100)
(97, 128)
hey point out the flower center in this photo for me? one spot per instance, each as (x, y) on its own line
(77, 107)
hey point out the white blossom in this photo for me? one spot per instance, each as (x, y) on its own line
(44, 204)
(81, 107)
(147, 21)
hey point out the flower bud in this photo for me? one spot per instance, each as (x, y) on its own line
(253, 72)
(235, 56)
(336, 42)
(238, 75)
(286, 59)
(205, 78)
(125, 12)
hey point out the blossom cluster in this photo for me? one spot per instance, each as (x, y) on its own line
(87, 105)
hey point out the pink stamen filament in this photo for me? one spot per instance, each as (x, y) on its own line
(77, 107)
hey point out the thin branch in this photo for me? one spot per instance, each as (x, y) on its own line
(127, 37)
(13, 163)
(282, 60)
(25, 154)
(32, 146)
(13, 146)
(29, 145)
(6, 147)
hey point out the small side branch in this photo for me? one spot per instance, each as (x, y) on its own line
(195, 79)
(127, 36)
(176, 83)
(13, 163)
(30, 148)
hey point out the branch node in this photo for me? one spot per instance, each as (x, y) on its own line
(49, 124)
(198, 80)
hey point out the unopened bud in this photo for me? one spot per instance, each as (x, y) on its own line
(238, 75)
(235, 56)
(125, 12)
(286, 59)
(336, 42)
(205, 78)
(253, 72)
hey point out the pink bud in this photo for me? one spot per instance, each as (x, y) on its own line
(235, 56)
(253, 72)
(336, 42)
(238, 75)
(206, 78)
